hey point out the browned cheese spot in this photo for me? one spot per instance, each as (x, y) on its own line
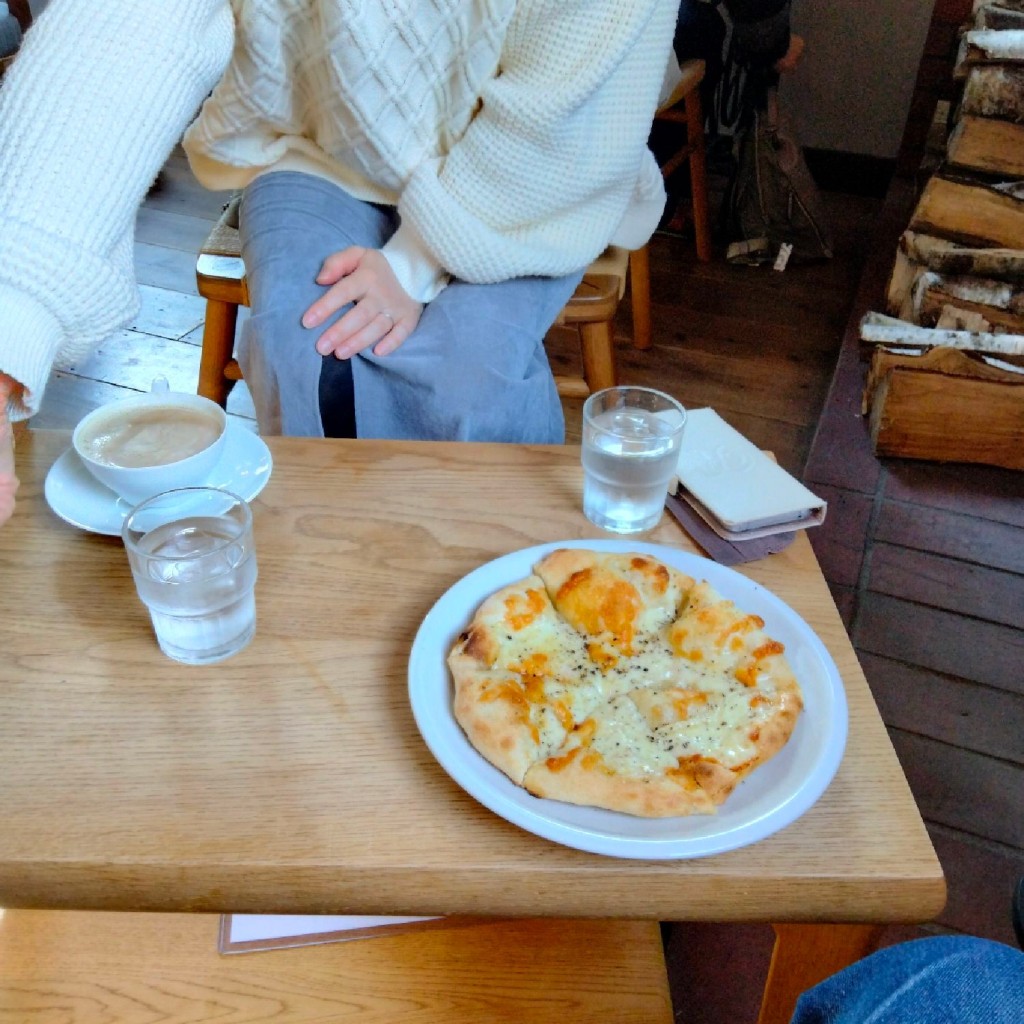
(598, 603)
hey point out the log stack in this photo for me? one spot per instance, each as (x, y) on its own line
(947, 370)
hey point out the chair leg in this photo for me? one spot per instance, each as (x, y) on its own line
(640, 296)
(597, 345)
(218, 346)
(806, 954)
(698, 174)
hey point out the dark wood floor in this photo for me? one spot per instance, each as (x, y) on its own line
(924, 561)
(926, 564)
(757, 345)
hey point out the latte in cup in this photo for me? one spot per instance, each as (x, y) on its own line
(153, 436)
(154, 442)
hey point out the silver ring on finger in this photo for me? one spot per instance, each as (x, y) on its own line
(384, 312)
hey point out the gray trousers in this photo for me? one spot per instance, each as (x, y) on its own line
(474, 369)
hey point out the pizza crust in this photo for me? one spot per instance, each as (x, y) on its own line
(494, 715)
(615, 681)
(646, 797)
(518, 671)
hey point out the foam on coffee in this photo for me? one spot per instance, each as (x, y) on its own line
(155, 435)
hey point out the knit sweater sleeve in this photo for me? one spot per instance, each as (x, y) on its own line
(98, 96)
(544, 175)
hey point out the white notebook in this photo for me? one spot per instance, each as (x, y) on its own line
(736, 486)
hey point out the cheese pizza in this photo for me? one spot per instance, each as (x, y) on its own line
(613, 680)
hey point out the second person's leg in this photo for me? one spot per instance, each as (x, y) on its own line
(290, 222)
(475, 368)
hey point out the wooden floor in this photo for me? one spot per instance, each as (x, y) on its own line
(926, 565)
(925, 562)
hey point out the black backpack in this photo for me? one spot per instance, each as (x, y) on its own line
(772, 200)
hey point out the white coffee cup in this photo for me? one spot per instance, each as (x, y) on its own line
(152, 442)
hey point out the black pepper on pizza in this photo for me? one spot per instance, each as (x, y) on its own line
(616, 681)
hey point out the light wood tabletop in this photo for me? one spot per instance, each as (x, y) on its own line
(292, 777)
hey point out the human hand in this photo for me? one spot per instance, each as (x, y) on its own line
(383, 314)
(789, 61)
(8, 479)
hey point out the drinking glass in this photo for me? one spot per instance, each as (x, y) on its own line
(194, 563)
(631, 441)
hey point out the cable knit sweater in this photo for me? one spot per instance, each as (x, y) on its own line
(509, 133)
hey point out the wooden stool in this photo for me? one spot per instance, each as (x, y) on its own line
(220, 278)
(683, 107)
(88, 967)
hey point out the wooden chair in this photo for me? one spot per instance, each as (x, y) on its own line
(84, 967)
(220, 278)
(682, 108)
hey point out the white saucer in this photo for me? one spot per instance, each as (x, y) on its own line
(81, 500)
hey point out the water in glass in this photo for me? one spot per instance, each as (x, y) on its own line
(199, 588)
(629, 456)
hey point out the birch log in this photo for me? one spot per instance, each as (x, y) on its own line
(953, 319)
(994, 90)
(998, 303)
(921, 296)
(1008, 5)
(919, 414)
(899, 296)
(988, 46)
(876, 328)
(949, 361)
(998, 16)
(995, 294)
(946, 257)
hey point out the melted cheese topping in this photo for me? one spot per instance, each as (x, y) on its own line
(543, 668)
(663, 708)
(610, 681)
(617, 601)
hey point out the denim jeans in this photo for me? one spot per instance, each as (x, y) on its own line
(474, 369)
(944, 980)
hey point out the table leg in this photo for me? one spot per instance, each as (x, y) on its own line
(805, 954)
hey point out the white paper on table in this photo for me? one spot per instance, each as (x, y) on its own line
(245, 933)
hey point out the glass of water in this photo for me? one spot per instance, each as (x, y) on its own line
(194, 564)
(631, 440)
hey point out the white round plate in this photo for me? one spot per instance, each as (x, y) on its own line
(772, 797)
(81, 500)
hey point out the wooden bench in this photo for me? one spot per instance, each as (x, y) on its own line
(91, 967)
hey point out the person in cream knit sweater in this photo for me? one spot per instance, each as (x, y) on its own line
(423, 183)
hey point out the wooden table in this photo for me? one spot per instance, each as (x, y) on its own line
(291, 778)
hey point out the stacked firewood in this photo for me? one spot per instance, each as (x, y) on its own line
(947, 369)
